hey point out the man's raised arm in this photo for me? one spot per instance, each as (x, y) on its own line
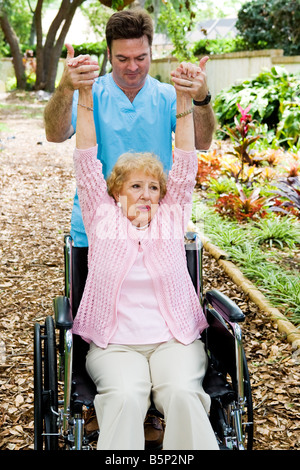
(81, 72)
(204, 118)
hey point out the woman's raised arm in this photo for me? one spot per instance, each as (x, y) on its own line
(185, 134)
(85, 129)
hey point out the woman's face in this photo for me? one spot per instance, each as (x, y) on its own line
(139, 197)
(130, 59)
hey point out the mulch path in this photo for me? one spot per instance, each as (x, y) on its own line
(36, 190)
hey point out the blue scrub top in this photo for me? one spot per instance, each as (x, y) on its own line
(145, 125)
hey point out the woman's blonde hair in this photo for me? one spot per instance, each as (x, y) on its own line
(128, 162)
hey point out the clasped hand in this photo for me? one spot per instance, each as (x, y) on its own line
(190, 79)
(80, 71)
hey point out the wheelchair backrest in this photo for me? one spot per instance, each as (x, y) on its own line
(76, 267)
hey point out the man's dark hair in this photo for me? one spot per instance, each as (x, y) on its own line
(129, 24)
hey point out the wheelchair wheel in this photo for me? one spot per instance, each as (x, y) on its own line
(38, 389)
(231, 420)
(248, 417)
(45, 387)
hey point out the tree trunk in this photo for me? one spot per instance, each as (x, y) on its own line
(39, 81)
(55, 53)
(104, 63)
(48, 54)
(13, 42)
(52, 49)
(32, 38)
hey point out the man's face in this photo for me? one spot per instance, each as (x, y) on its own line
(130, 59)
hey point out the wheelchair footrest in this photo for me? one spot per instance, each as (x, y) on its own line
(217, 387)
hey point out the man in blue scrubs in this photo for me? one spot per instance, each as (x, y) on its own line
(132, 111)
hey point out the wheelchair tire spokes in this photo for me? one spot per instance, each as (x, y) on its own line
(232, 411)
(242, 411)
(38, 389)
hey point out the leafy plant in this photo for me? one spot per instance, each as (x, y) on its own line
(91, 48)
(221, 185)
(289, 196)
(177, 23)
(283, 290)
(279, 231)
(242, 142)
(219, 46)
(231, 236)
(242, 206)
(288, 127)
(208, 166)
(269, 93)
(263, 267)
(247, 253)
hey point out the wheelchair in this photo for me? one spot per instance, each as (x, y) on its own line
(64, 393)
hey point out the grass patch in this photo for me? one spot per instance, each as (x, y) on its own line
(3, 127)
(257, 248)
(27, 110)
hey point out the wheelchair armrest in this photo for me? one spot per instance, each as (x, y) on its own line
(224, 306)
(62, 311)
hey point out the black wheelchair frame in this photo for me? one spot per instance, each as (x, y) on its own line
(60, 424)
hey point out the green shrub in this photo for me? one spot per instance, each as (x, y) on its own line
(273, 25)
(274, 99)
(91, 48)
(219, 46)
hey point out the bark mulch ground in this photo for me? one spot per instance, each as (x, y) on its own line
(36, 190)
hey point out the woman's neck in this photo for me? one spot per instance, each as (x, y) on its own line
(140, 225)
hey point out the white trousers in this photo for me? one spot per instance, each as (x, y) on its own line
(125, 376)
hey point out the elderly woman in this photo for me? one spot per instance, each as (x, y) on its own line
(139, 310)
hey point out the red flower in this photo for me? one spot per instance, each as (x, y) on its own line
(245, 117)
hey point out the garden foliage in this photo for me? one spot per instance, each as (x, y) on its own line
(271, 25)
(252, 183)
(275, 102)
(219, 46)
(250, 179)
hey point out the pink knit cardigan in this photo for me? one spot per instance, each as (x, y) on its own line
(113, 245)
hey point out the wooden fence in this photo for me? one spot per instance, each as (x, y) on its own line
(226, 69)
(222, 70)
